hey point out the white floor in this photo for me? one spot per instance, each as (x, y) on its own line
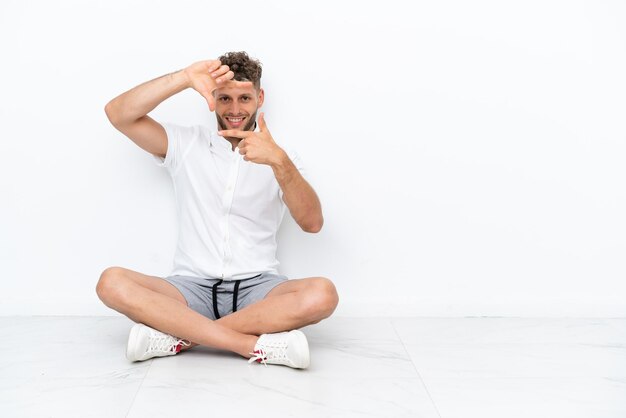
(450, 368)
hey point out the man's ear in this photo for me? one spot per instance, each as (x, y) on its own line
(261, 97)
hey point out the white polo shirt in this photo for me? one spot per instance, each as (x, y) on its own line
(229, 210)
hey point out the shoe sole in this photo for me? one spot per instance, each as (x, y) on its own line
(132, 339)
(301, 341)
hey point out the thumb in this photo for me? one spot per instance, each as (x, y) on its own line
(262, 125)
(211, 101)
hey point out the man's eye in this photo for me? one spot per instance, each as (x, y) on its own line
(245, 99)
(224, 99)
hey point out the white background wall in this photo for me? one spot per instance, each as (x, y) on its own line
(470, 156)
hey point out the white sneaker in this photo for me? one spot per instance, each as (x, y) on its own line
(145, 343)
(285, 348)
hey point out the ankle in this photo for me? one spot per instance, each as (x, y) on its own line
(248, 347)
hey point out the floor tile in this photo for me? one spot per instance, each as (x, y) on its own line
(603, 332)
(357, 369)
(66, 367)
(532, 397)
(404, 367)
(496, 360)
(281, 393)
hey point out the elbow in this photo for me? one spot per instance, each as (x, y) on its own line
(108, 109)
(313, 227)
(111, 110)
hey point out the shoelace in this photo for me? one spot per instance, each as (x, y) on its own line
(272, 351)
(160, 342)
(258, 355)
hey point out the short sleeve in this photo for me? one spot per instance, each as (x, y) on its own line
(179, 139)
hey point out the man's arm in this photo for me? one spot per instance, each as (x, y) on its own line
(298, 195)
(128, 111)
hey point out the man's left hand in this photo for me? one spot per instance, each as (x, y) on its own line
(257, 147)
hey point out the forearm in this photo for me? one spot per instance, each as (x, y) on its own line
(298, 195)
(141, 100)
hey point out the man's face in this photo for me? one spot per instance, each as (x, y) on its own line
(236, 107)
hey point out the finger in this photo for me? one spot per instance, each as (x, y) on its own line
(235, 133)
(206, 93)
(223, 69)
(213, 65)
(226, 77)
(211, 101)
(262, 124)
(237, 84)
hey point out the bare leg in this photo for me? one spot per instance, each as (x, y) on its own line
(158, 304)
(290, 305)
(155, 302)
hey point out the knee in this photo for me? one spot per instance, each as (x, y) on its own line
(321, 299)
(110, 287)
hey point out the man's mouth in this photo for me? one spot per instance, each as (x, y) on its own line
(235, 122)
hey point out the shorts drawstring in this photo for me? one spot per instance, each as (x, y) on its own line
(235, 294)
(214, 295)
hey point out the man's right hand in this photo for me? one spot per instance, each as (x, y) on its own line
(206, 76)
(128, 112)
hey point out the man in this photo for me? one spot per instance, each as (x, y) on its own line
(232, 190)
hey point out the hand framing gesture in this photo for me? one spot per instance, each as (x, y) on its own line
(257, 147)
(206, 76)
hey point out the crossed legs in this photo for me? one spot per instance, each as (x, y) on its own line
(155, 302)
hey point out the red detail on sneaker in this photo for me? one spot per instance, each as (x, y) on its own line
(260, 359)
(178, 348)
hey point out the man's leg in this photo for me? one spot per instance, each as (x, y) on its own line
(290, 305)
(154, 302)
